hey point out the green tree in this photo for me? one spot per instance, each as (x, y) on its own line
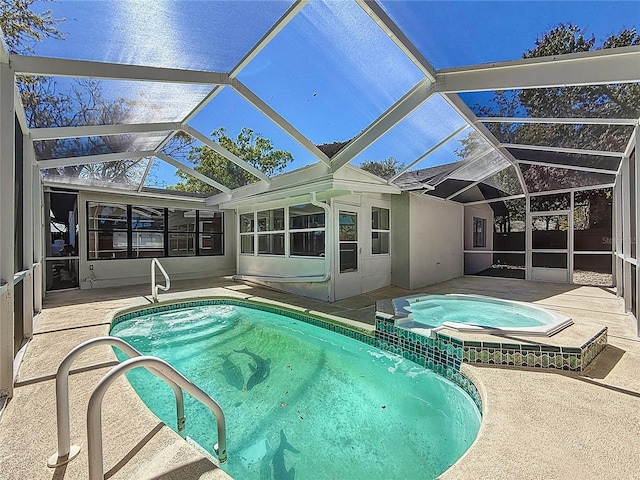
(248, 146)
(612, 101)
(386, 168)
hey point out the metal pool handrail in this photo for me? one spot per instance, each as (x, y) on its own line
(154, 288)
(67, 452)
(166, 372)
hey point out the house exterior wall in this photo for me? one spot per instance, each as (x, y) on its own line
(477, 262)
(374, 270)
(434, 230)
(109, 273)
(436, 241)
(400, 240)
(258, 266)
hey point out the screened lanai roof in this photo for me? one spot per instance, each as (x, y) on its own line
(437, 86)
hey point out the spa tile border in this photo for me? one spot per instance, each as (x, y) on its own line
(574, 359)
(435, 354)
(450, 352)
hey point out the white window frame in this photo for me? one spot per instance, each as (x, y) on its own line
(381, 230)
(287, 231)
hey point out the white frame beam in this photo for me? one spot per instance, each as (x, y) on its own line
(493, 200)
(57, 67)
(263, 42)
(29, 233)
(477, 182)
(22, 118)
(637, 220)
(626, 231)
(192, 172)
(471, 161)
(397, 36)
(415, 97)
(569, 167)
(54, 133)
(437, 146)
(276, 118)
(579, 151)
(7, 219)
(596, 67)
(456, 102)
(282, 22)
(631, 144)
(89, 159)
(130, 193)
(566, 120)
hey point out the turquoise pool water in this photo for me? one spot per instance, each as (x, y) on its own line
(434, 310)
(300, 401)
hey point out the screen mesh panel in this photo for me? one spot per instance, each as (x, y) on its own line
(331, 71)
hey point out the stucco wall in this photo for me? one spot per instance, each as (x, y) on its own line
(429, 236)
(108, 273)
(477, 262)
(400, 229)
(435, 240)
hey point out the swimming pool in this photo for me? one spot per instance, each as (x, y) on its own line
(301, 401)
(476, 313)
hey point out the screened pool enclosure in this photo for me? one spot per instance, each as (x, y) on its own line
(118, 144)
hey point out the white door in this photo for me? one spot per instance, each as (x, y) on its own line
(347, 275)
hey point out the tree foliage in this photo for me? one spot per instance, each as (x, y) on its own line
(83, 102)
(251, 147)
(22, 27)
(607, 101)
(386, 168)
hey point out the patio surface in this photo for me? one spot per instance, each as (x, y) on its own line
(536, 424)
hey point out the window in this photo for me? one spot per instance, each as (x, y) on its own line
(306, 227)
(136, 231)
(210, 233)
(348, 241)
(247, 227)
(107, 229)
(379, 231)
(479, 232)
(182, 232)
(147, 232)
(268, 231)
(271, 232)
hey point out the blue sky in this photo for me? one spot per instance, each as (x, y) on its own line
(331, 71)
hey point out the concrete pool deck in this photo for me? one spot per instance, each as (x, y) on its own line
(537, 423)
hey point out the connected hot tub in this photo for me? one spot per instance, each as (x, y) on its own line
(476, 313)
